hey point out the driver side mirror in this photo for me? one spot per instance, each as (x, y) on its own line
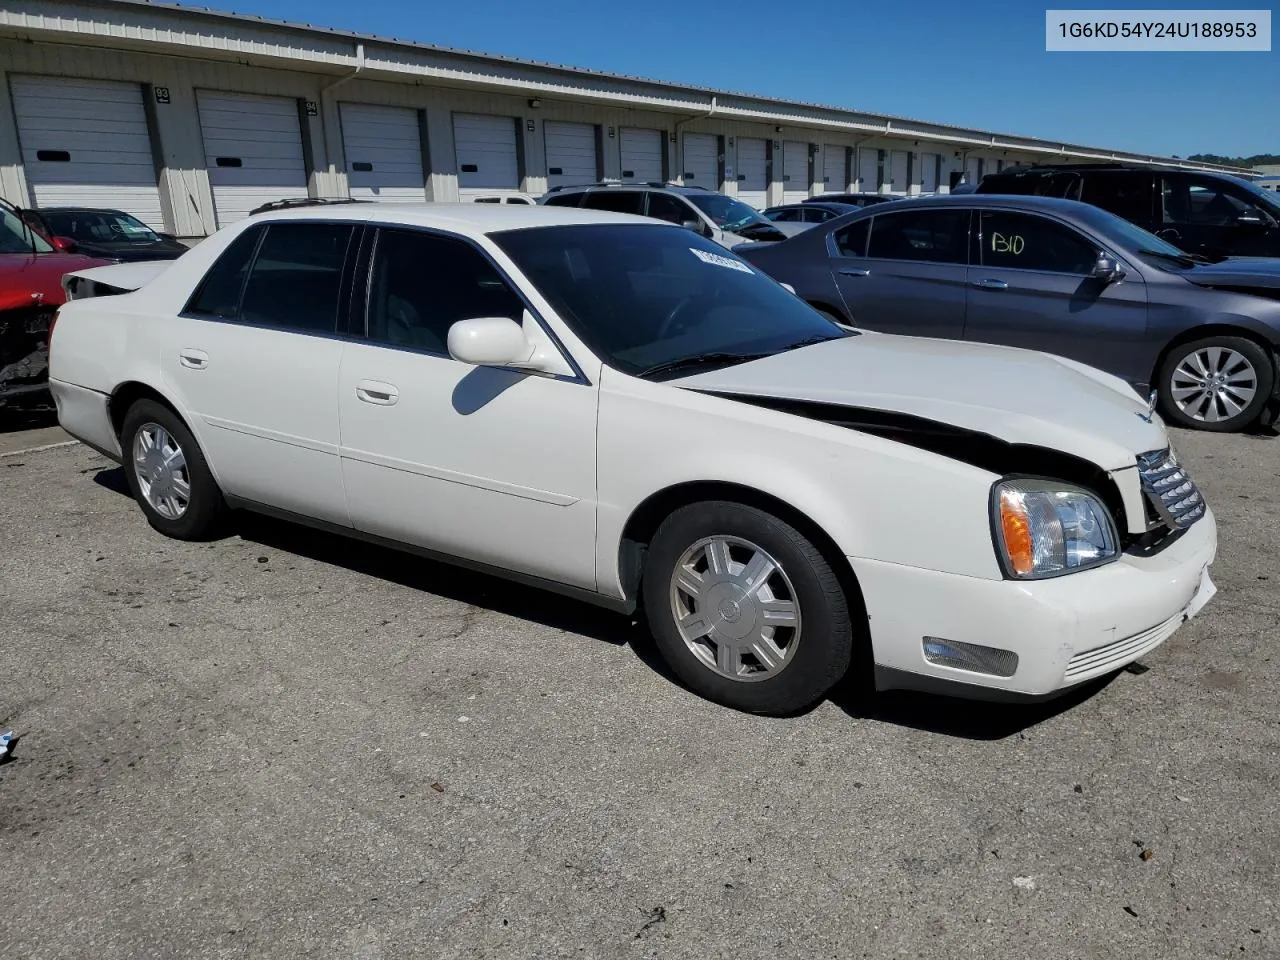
(697, 226)
(65, 244)
(1106, 269)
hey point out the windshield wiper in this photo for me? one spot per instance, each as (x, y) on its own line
(702, 360)
(1185, 259)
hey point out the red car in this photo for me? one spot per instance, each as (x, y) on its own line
(30, 291)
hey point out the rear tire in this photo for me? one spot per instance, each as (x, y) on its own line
(1219, 384)
(168, 475)
(745, 609)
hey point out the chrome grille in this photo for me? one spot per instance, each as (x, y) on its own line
(1171, 491)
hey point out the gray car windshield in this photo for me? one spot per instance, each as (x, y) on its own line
(653, 301)
(90, 226)
(725, 212)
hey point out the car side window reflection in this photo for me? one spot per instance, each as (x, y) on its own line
(424, 283)
(1026, 242)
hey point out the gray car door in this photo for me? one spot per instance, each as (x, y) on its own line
(907, 273)
(1031, 286)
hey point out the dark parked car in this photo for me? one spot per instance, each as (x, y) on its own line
(852, 199)
(808, 212)
(1052, 275)
(1215, 215)
(109, 234)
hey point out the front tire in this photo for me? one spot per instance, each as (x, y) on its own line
(1220, 384)
(168, 475)
(745, 609)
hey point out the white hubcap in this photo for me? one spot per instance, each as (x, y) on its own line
(161, 469)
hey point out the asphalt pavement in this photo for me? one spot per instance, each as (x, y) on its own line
(285, 744)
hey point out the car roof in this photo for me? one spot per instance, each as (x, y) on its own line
(79, 210)
(629, 185)
(1047, 204)
(464, 217)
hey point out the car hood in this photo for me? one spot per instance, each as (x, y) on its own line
(41, 273)
(1237, 272)
(1018, 396)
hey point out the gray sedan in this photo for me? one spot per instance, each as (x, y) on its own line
(1058, 276)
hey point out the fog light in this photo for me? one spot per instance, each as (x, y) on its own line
(970, 656)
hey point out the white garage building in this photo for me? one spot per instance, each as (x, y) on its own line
(189, 119)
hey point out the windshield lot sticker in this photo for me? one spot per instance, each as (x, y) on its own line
(719, 261)
(1002, 244)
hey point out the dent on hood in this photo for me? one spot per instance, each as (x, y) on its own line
(978, 449)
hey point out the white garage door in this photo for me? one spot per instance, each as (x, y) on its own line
(833, 168)
(486, 150)
(701, 168)
(753, 176)
(383, 147)
(898, 171)
(868, 170)
(253, 151)
(642, 154)
(795, 171)
(85, 143)
(929, 172)
(974, 168)
(571, 153)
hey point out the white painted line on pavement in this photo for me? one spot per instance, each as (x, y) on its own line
(47, 446)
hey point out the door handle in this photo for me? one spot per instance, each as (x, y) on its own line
(193, 359)
(991, 284)
(382, 394)
(855, 272)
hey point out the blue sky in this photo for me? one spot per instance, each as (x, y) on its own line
(984, 67)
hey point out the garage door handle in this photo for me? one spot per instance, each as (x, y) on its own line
(855, 272)
(991, 284)
(382, 394)
(193, 359)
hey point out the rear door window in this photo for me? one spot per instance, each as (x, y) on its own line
(296, 277)
(616, 201)
(851, 241)
(934, 236)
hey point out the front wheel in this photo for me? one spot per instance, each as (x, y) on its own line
(1219, 384)
(745, 609)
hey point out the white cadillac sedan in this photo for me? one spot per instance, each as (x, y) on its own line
(618, 409)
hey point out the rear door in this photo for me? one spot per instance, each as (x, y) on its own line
(912, 278)
(254, 360)
(1030, 286)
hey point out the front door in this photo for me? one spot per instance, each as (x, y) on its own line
(1215, 218)
(1030, 286)
(488, 464)
(912, 277)
(254, 361)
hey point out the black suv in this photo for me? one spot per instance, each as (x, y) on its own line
(1214, 215)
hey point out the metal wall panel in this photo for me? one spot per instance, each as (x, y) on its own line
(753, 172)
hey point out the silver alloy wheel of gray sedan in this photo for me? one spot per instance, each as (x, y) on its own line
(1213, 384)
(161, 469)
(735, 608)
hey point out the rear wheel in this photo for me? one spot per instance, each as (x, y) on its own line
(1220, 384)
(168, 475)
(745, 609)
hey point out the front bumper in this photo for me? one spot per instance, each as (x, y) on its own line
(1065, 631)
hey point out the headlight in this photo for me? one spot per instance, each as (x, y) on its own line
(1045, 528)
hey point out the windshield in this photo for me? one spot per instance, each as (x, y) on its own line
(17, 237)
(642, 297)
(725, 212)
(94, 226)
(1132, 239)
